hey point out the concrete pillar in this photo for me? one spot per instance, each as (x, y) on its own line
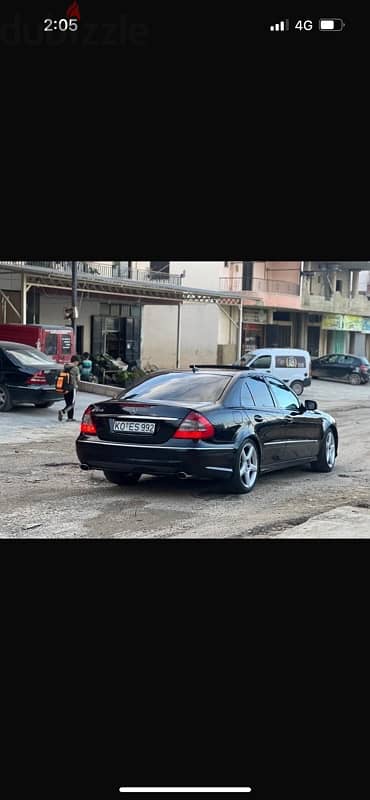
(323, 343)
(303, 333)
(355, 280)
(178, 343)
(240, 337)
(359, 344)
(24, 298)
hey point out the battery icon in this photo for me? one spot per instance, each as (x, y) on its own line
(331, 24)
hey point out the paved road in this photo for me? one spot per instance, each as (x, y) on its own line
(44, 494)
(26, 423)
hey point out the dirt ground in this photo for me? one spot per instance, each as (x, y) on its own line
(43, 493)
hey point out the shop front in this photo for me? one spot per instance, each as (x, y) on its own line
(118, 335)
(254, 321)
(347, 333)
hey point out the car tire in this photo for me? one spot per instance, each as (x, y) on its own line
(297, 387)
(123, 478)
(326, 460)
(44, 405)
(246, 468)
(5, 401)
(354, 379)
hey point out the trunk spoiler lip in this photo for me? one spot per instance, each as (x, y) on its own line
(159, 404)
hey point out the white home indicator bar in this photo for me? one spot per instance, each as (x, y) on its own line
(143, 790)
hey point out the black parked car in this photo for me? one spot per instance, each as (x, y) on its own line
(338, 367)
(218, 423)
(26, 376)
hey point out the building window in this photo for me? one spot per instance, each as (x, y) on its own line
(281, 316)
(247, 276)
(338, 286)
(160, 266)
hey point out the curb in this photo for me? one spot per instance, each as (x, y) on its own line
(98, 388)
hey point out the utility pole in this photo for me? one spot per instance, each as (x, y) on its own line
(74, 299)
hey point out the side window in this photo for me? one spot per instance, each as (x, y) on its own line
(284, 398)
(51, 344)
(262, 362)
(291, 362)
(247, 399)
(332, 360)
(260, 393)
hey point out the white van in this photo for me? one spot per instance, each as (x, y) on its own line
(291, 366)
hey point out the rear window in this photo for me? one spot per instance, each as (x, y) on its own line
(27, 358)
(187, 388)
(365, 361)
(291, 362)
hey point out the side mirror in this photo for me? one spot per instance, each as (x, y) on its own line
(310, 405)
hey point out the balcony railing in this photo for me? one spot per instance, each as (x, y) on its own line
(259, 286)
(115, 272)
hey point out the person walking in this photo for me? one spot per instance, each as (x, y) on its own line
(86, 367)
(70, 396)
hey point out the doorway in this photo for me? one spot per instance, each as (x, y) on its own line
(313, 340)
(80, 340)
(278, 335)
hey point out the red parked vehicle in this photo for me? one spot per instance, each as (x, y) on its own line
(56, 341)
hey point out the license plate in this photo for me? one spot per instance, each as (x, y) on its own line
(133, 427)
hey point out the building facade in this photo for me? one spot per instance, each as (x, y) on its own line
(335, 302)
(321, 307)
(139, 311)
(173, 313)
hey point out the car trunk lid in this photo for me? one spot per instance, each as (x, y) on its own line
(139, 423)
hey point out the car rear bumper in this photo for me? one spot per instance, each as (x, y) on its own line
(34, 394)
(200, 460)
(307, 382)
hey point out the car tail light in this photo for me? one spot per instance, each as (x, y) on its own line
(364, 368)
(195, 426)
(38, 377)
(88, 424)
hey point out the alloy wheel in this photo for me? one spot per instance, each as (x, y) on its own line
(330, 449)
(248, 465)
(3, 397)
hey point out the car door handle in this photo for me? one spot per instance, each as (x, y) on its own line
(258, 418)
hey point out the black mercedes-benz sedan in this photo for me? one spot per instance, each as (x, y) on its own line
(26, 376)
(215, 423)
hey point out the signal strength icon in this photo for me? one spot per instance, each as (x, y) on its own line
(283, 25)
